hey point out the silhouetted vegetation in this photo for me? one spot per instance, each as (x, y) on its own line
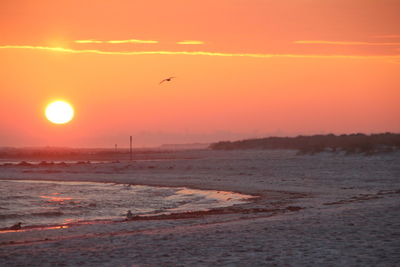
(348, 143)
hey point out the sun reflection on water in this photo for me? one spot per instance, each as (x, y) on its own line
(56, 199)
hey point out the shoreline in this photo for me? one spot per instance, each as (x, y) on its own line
(238, 208)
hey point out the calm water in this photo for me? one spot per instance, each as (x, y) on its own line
(48, 202)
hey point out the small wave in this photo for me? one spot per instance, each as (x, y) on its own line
(48, 213)
(9, 216)
(14, 197)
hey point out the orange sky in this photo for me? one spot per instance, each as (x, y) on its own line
(244, 68)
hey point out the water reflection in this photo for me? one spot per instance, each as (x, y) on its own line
(35, 228)
(37, 203)
(56, 199)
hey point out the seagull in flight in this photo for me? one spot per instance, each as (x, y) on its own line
(167, 80)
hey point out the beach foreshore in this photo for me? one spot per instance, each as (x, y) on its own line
(311, 210)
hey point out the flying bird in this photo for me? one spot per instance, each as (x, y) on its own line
(167, 80)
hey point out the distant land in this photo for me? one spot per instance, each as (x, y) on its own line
(81, 154)
(185, 146)
(49, 153)
(348, 143)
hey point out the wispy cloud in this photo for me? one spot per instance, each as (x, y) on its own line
(195, 53)
(387, 36)
(88, 42)
(190, 42)
(135, 41)
(344, 43)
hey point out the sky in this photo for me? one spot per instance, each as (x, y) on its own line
(243, 68)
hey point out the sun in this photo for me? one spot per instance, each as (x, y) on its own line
(59, 112)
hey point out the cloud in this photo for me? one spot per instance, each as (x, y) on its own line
(88, 42)
(343, 43)
(387, 36)
(195, 53)
(186, 42)
(135, 41)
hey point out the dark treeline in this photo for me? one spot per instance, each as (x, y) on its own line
(349, 143)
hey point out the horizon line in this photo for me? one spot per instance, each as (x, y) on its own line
(199, 142)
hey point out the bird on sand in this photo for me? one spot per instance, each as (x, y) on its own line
(167, 79)
(16, 226)
(129, 215)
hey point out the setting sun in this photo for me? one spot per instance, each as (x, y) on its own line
(59, 112)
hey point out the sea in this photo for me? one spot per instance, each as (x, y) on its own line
(43, 203)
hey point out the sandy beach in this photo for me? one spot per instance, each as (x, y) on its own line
(327, 209)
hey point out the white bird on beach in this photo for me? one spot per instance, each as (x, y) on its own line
(167, 80)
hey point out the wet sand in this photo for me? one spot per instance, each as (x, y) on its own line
(326, 209)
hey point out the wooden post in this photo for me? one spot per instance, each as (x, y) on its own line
(130, 147)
